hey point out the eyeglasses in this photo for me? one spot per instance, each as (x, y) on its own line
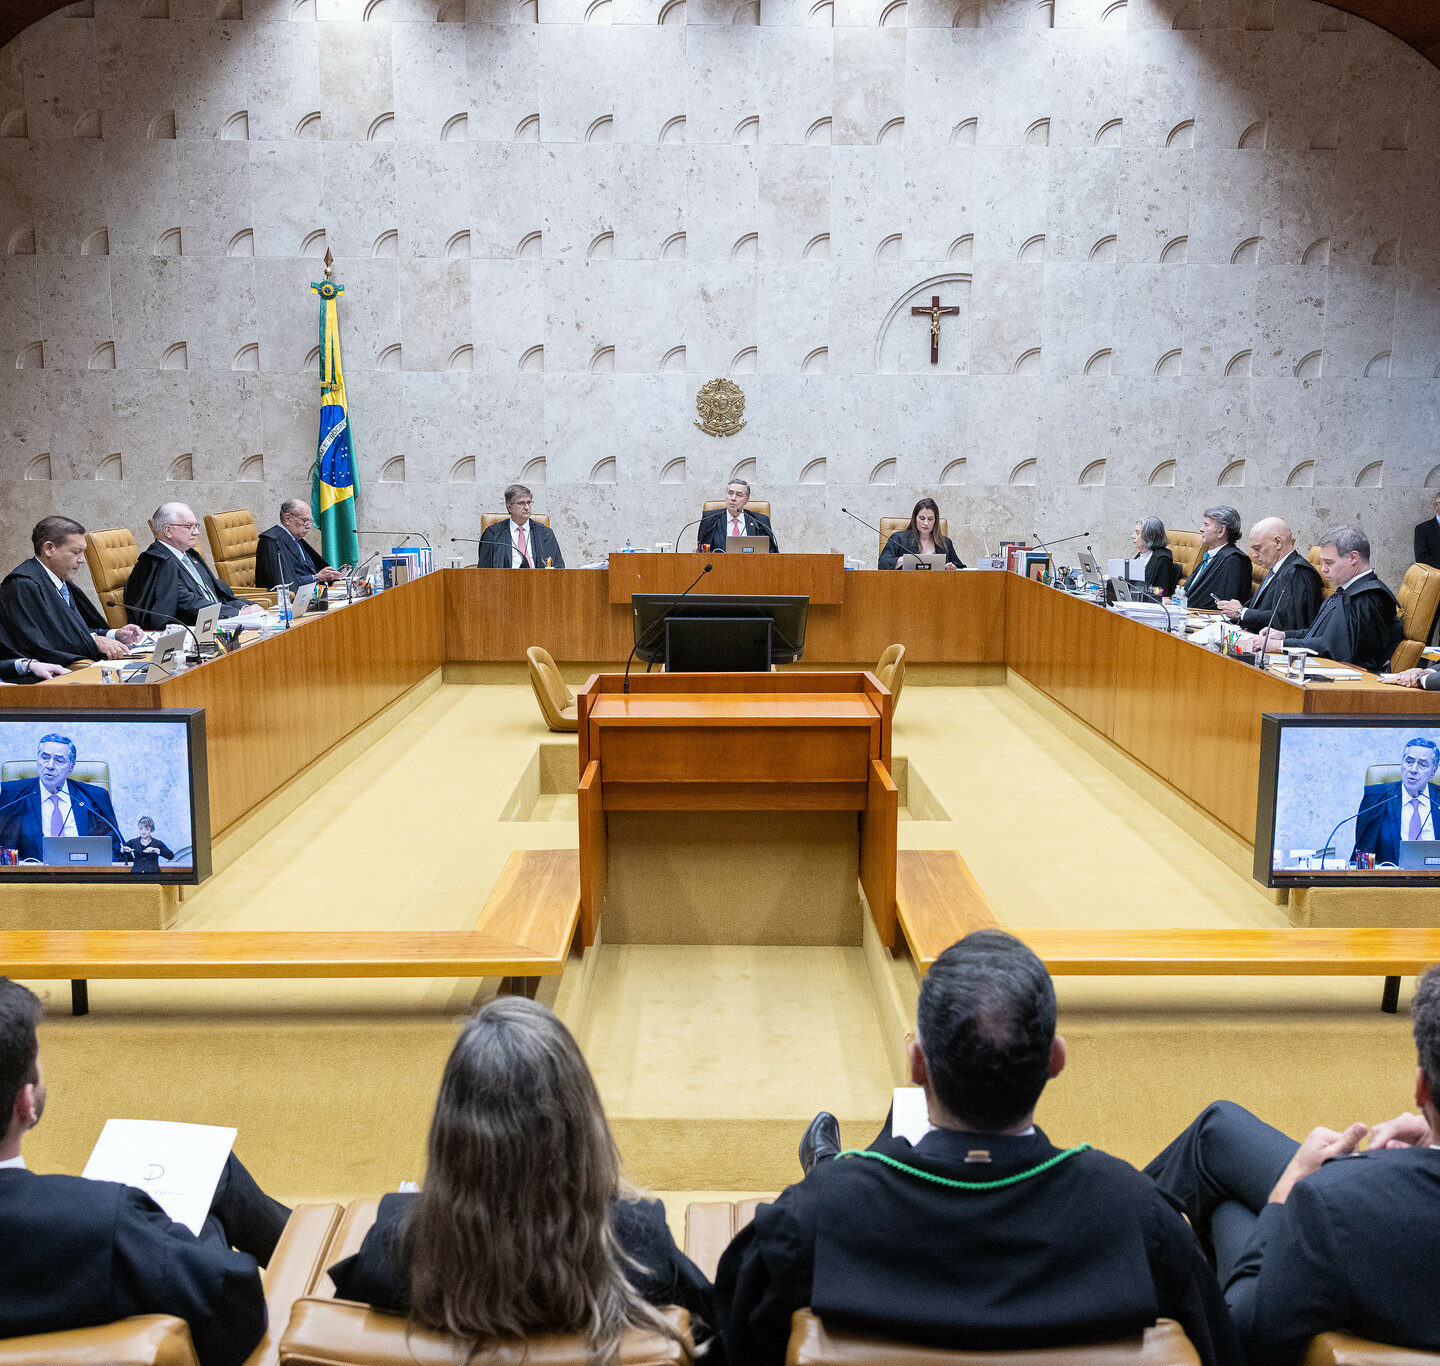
(185, 526)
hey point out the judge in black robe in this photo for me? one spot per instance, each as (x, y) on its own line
(1223, 574)
(1427, 539)
(1292, 592)
(161, 590)
(27, 670)
(1359, 624)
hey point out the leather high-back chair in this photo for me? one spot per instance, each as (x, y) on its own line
(1313, 555)
(488, 519)
(1382, 773)
(1419, 596)
(1342, 1349)
(557, 702)
(1257, 576)
(95, 771)
(754, 505)
(110, 556)
(1185, 547)
(812, 1344)
(890, 525)
(891, 672)
(233, 539)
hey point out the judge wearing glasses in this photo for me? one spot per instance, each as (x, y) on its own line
(519, 542)
(170, 581)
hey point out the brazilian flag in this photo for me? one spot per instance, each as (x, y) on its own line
(334, 487)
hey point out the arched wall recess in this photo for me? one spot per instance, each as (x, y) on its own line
(745, 470)
(884, 472)
(534, 471)
(463, 470)
(1163, 475)
(673, 471)
(604, 471)
(816, 472)
(252, 470)
(182, 468)
(1023, 475)
(955, 473)
(393, 470)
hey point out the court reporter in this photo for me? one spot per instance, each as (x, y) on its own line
(76, 1253)
(524, 1223)
(1316, 1236)
(921, 537)
(984, 1235)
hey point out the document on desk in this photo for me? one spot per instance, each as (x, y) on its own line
(177, 1165)
(909, 1115)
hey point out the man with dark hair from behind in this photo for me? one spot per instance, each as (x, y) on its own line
(983, 1235)
(77, 1253)
(1307, 1243)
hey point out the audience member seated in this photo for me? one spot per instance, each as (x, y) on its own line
(1291, 591)
(1359, 623)
(984, 1235)
(1153, 555)
(283, 555)
(77, 1253)
(1427, 539)
(519, 542)
(1224, 572)
(171, 581)
(921, 537)
(524, 1223)
(43, 615)
(14, 671)
(717, 525)
(1307, 1243)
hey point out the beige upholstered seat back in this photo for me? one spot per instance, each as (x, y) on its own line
(489, 519)
(110, 556)
(1341, 1349)
(754, 505)
(1185, 547)
(891, 672)
(890, 525)
(146, 1340)
(95, 771)
(1419, 596)
(557, 702)
(233, 539)
(1313, 555)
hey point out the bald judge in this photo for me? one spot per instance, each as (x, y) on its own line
(1291, 591)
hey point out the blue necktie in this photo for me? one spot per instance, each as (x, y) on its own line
(65, 593)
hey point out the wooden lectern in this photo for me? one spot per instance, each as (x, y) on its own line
(745, 742)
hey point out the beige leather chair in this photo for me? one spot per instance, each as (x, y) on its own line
(557, 702)
(754, 505)
(488, 519)
(890, 525)
(812, 1344)
(299, 1261)
(1419, 596)
(1340, 1349)
(95, 771)
(1257, 577)
(709, 1228)
(1382, 773)
(1185, 547)
(110, 556)
(233, 539)
(891, 672)
(1313, 555)
(325, 1331)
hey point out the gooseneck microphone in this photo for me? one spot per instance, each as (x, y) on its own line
(403, 535)
(1374, 806)
(665, 616)
(684, 529)
(1047, 545)
(863, 522)
(1265, 634)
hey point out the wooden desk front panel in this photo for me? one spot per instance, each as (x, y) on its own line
(495, 615)
(820, 578)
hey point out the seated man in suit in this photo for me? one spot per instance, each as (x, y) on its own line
(982, 1236)
(1305, 1244)
(170, 581)
(519, 542)
(43, 614)
(1359, 623)
(52, 804)
(733, 520)
(1223, 573)
(1427, 539)
(14, 671)
(1291, 590)
(77, 1253)
(283, 555)
(1391, 812)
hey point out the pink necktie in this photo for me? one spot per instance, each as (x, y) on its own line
(1416, 824)
(735, 527)
(524, 549)
(57, 821)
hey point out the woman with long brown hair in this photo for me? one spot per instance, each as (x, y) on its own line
(921, 537)
(524, 1224)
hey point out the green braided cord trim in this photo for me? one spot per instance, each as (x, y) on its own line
(966, 1185)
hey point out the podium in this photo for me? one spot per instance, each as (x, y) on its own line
(736, 808)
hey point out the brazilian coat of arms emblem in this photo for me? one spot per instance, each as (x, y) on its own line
(721, 405)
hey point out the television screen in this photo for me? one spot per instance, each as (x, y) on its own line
(787, 615)
(1348, 799)
(89, 796)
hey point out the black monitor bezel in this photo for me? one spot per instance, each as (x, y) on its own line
(199, 766)
(647, 610)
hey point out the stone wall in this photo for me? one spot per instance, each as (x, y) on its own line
(1194, 246)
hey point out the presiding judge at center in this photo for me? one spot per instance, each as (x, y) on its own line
(921, 537)
(734, 519)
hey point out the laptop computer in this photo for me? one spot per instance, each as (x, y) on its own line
(205, 620)
(921, 562)
(304, 600)
(1421, 856)
(1090, 568)
(77, 851)
(747, 545)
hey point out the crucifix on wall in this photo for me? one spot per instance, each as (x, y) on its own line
(935, 313)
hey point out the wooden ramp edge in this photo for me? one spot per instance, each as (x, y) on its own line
(938, 901)
(536, 902)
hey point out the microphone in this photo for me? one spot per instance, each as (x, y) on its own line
(77, 800)
(863, 522)
(1284, 588)
(1047, 545)
(684, 529)
(403, 535)
(665, 616)
(1374, 806)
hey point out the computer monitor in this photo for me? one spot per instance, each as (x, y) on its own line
(717, 645)
(787, 615)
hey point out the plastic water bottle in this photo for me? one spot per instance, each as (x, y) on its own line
(1177, 606)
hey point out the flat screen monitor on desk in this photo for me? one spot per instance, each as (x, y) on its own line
(786, 613)
(717, 645)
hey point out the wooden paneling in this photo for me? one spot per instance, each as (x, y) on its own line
(817, 577)
(494, 615)
(939, 617)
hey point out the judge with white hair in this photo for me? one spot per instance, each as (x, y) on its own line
(171, 581)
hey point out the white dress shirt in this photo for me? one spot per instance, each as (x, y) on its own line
(60, 587)
(1407, 812)
(67, 813)
(735, 523)
(17, 1162)
(516, 560)
(1140, 561)
(1274, 569)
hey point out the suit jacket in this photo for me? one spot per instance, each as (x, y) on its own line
(1084, 1251)
(1377, 830)
(907, 542)
(497, 550)
(279, 556)
(1358, 624)
(1298, 590)
(77, 1253)
(1160, 570)
(35, 623)
(1225, 577)
(159, 590)
(1427, 543)
(1353, 1248)
(714, 523)
(376, 1274)
(22, 824)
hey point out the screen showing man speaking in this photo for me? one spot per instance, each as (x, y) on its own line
(97, 795)
(1354, 797)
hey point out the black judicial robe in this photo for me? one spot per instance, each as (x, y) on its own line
(715, 524)
(1225, 578)
(280, 557)
(907, 542)
(1160, 570)
(1085, 1251)
(1296, 588)
(1358, 624)
(35, 623)
(1427, 542)
(159, 591)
